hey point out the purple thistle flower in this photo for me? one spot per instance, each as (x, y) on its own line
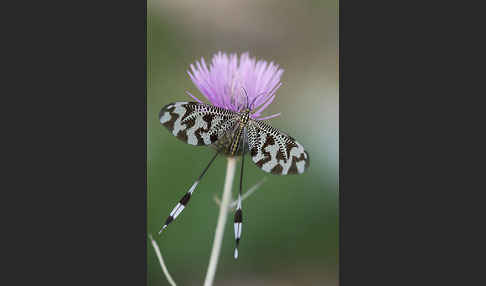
(227, 80)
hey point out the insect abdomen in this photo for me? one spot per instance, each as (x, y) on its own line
(225, 143)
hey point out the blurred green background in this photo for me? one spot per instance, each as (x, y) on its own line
(290, 233)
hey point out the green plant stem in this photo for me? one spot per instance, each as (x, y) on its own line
(223, 214)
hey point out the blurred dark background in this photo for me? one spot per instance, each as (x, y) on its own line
(290, 235)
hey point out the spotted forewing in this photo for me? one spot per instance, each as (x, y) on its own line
(274, 151)
(202, 124)
(197, 123)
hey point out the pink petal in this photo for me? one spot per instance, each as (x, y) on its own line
(195, 98)
(269, 117)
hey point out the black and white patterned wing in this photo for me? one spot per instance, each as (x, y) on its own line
(197, 123)
(274, 151)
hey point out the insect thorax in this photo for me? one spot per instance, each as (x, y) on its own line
(231, 143)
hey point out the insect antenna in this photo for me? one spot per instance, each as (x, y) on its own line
(253, 101)
(185, 199)
(269, 93)
(238, 222)
(246, 95)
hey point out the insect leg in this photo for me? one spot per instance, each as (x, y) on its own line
(185, 199)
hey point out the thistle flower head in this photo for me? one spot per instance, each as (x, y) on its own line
(235, 84)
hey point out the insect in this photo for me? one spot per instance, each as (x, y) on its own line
(232, 133)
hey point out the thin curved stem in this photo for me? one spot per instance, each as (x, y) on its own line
(161, 261)
(223, 214)
(248, 193)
